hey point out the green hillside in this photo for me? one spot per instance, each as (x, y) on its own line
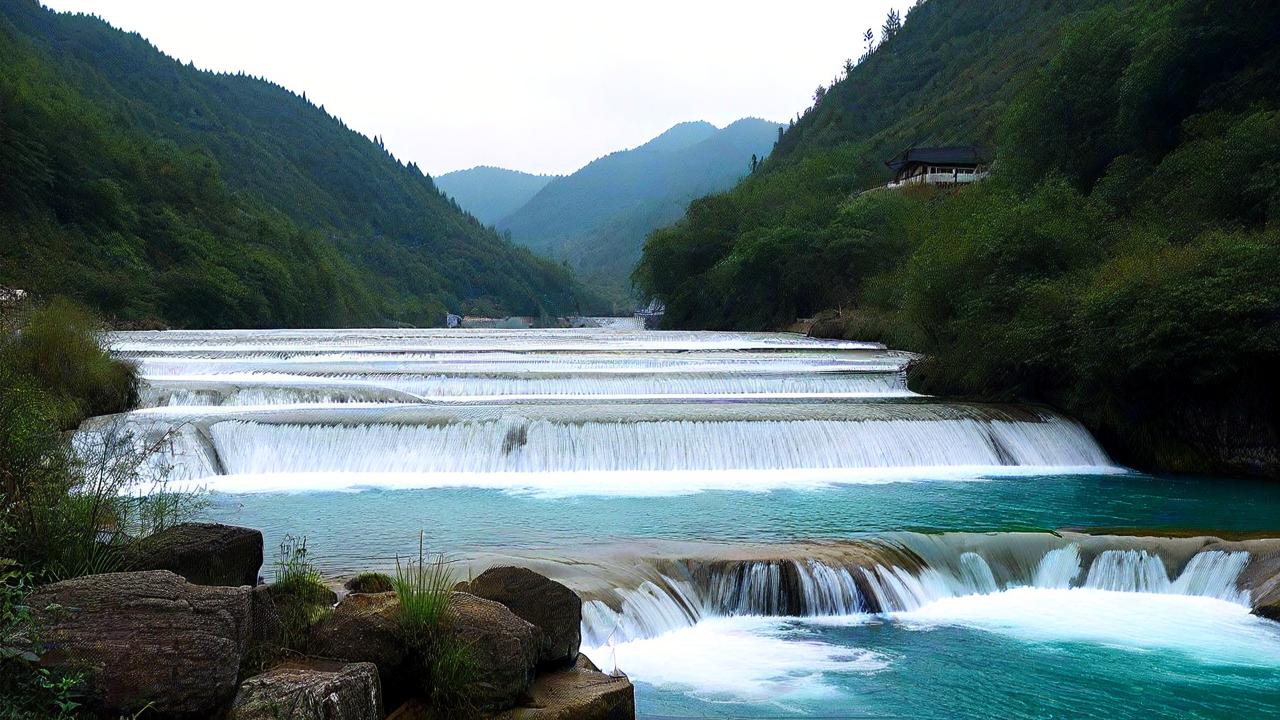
(596, 219)
(1119, 263)
(155, 191)
(491, 193)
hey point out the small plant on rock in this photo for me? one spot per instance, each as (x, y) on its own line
(371, 582)
(424, 588)
(299, 595)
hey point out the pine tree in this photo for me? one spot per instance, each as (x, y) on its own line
(869, 37)
(892, 24)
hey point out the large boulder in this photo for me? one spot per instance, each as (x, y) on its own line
(203, 553)
(364, 628)
(503, 648)
(581, 692)
(311, 690)
(146, 637)
(553, 608)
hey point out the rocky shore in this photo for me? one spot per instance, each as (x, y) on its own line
(193, 635)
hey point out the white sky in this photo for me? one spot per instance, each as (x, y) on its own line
(537, 86)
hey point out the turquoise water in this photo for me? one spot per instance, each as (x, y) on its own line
(701, 490)
(896, 669)
(350, 531)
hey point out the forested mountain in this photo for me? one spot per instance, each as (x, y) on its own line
(1119, 263)
(156, 191)
(491, 193)
(597, 218)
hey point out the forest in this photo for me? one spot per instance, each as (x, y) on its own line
(161, 194)
(1119, 263)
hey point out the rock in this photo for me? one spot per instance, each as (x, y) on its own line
(146, 637)
(311, 690)
(578, 693)
(364, 628)
(503, 647)
(203, 553)
(554, 608)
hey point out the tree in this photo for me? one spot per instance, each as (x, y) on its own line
(869, 37)
(818, 94)
(779, 133)
(848, 66)
(755, 162)
(892, 24)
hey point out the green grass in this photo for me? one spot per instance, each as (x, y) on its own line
(424, 588)
(300, 598)
(371, 582)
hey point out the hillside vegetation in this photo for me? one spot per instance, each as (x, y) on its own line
(596, 219)
(154, 191)
(1120, 262)
(491, 193)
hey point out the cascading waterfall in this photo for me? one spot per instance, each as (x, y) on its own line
(815, 588)
(540, 445)
(302, 389)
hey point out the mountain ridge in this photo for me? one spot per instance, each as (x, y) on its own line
(400, 249)
(596, 218)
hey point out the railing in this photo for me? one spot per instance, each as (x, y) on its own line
(943, 178)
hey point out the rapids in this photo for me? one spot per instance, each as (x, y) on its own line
(759, 524)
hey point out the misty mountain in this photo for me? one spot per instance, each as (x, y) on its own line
(156, 191)
(491, 193)
(598, 217)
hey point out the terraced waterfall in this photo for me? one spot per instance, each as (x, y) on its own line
(760, 524)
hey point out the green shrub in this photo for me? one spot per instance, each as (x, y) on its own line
(371, 582)
(72, 504)
(58, 347)
(28, 691)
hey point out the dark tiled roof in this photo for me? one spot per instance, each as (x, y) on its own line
(957, 155)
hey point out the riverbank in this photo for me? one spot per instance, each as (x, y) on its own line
(504, 640)
(1229, 431)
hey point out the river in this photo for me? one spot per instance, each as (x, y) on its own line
(761, 525)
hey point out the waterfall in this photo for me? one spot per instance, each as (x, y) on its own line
(542, 446)
(278, 388)
(811, 587)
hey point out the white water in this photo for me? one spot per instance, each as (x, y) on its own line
(725, 641)
(276, 388)
(760, 588)
(545, 446)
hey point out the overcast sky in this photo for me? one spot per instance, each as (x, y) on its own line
(537, 86)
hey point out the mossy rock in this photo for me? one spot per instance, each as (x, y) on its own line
(369, 582)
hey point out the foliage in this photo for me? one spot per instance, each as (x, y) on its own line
(371, 582)
(58, 347)
(29, 691)
(1119, 263)
(424, 588)
(153, 191)
(299, 595)
(72, 502)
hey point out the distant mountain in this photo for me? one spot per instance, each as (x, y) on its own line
(491, 193)
(152, 190)
(597, 218)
